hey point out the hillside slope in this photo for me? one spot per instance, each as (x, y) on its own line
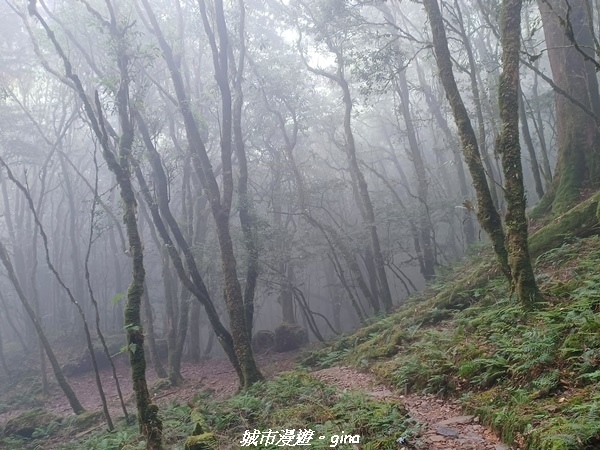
(533, 376)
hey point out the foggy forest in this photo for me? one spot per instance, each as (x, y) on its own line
(276, 223)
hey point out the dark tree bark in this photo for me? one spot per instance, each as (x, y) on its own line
(487, 214)
(220, 205)
(473, 74)
(240, 307)
(247, 220)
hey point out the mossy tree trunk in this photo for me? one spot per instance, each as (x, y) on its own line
(149, 422)
(487, 214)
(508, 147)
(578, 138)
(120, 165)
(475, 80)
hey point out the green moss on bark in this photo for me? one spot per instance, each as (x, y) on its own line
(205, 441)
(571, 167)
(580, 221)
(26, 423)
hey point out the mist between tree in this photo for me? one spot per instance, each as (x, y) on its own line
(191, 181)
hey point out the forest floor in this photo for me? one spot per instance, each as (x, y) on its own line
(216, 375)
(441, 423)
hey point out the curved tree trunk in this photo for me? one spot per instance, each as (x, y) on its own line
(244, 362)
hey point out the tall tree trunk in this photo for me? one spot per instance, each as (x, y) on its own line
(578, 138)
(487, 214)
(365, 198)
(247, 220)
(425, 225)
(539, 128)
(508, 147)
(451, 141)
(149, 422)
(473, 71)
(535, 168)
(220, 207)
(239, 308)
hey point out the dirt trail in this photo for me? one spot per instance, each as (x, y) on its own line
(444, 425)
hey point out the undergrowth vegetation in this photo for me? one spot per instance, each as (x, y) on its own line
(296, 400)
(292, 401)
(532, 375)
